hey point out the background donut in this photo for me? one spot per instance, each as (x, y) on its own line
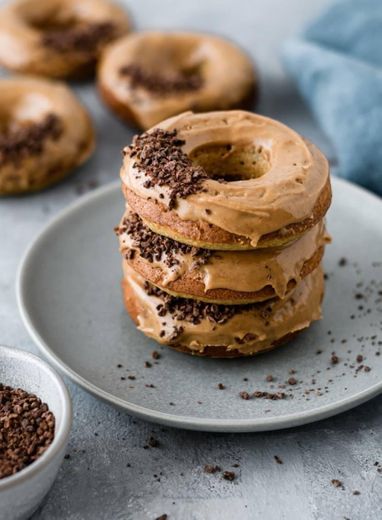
(46, 133)
(58, 38)
(149, 76)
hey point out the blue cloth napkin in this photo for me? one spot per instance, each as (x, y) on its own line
(337, 65)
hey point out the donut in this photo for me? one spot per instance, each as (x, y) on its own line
(224, 277)
(228, 180)
(45, 133)
(58, 38)
(218, 330)
(150, 76)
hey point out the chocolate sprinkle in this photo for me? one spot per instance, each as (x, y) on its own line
(85, 38)
(160, 157)
(278, 460)
(229, 475)
(28, 139)
(161, 84)
(154, 247)
(193, 311)
(26, 429)
(211, 468)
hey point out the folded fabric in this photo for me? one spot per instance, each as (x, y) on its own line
(337, 65)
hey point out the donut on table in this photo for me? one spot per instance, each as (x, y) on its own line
(212, 330)
(229, 180)
(44, 133)
(224, 277)
(150, 76)
(58, 38)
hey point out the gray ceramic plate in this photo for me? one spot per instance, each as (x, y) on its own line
(69, 297)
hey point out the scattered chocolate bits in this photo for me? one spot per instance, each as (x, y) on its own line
(221, 386)
(154, 247)
(292, 381)
(211, 468)
(160, 83)
(160, 157)
(258, 394)
(194, 311)
(334, 359)
(274, 396)
(269, 378)
(162, 517)
(277, 459)
(28, 139)
(84, 38)
(153, 442)
(337, 483)
(229, 475)
(356, 492)
(155, 354)
(342, 262)
(26, 429)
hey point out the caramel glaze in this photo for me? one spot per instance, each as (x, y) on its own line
(248, 332)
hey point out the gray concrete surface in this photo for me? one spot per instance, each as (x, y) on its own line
(109, 475)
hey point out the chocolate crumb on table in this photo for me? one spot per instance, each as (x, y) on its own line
(342, 262)
(26, 429)
(211, 468)
(229, 475)
(153, 442)
(277, 459)
(337, 483)
(221, 386)
(162, 517)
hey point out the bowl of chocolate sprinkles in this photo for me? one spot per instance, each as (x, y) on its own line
(35, 422)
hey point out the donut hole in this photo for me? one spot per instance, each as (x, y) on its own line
(232, 162)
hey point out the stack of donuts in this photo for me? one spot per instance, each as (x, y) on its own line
(223, 232)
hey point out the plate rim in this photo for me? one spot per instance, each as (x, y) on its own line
(173, 420)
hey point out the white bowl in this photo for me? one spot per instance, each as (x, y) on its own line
(21, 494)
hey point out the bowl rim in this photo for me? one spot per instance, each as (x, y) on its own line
(61, 434)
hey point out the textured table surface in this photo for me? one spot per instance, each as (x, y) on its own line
(108, 473)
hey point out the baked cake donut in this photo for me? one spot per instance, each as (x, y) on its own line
(44, 134)
(58, 38)
(224, 277)
(227, 180)
(214, 330)
(150, 76)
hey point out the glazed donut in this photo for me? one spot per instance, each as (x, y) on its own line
(44, 133)
(150, 76)
(58, 38)
(217, 330)
(224, 277)
(226, 180)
